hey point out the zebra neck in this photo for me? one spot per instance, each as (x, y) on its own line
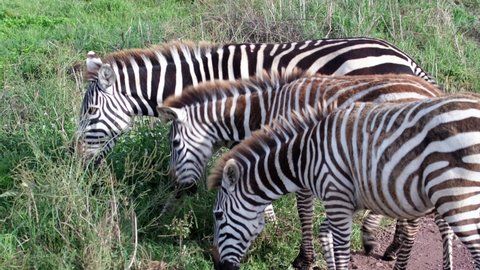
(134, 99)
(236, 117)
(224, 123)
(285, 167)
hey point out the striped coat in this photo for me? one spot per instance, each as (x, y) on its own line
(400, 160)
(134, 82)
(223, 111)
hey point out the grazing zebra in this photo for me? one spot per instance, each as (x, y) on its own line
(134, 82)
(226, 112)
(402, 160)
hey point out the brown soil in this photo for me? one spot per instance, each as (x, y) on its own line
(426, 254)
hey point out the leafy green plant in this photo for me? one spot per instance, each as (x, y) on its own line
(181, 228)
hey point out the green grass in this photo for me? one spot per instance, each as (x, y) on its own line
(55, 215)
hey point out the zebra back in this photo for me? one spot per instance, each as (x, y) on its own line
(230, 111)
(134, 82)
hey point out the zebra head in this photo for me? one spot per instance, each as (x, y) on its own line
(190, 148)
(236, 222)
(102, 118)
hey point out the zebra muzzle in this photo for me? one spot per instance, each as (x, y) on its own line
(185, 189)
(218, 265)
(215, 256)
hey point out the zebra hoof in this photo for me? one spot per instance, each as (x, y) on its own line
(302, 263)
(391, 252)
(389, 257)
(368, 248)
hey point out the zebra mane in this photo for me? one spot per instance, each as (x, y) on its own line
(282, 130)
(206, 91)
(164, 49)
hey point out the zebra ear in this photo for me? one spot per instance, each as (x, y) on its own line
(93, 63)
(231, 175)
(106, 76)
(167, 114)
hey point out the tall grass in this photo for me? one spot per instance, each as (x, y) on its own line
(55, 215)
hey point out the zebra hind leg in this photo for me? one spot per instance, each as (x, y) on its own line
(467, 229)
(391, 252)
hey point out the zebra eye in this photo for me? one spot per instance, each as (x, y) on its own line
(176, 142)
(218, 215)
(92, 110)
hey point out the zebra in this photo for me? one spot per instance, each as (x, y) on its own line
(134, 82)
(227, 112)
(402, 160)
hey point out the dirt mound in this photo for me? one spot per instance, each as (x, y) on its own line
(426, 255)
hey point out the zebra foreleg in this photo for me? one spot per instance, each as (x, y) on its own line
(326, 240)
(447, 241)
(340, 220)
(269, 214)
(306, 257)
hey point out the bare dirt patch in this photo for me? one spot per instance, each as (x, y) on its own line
(426, 254)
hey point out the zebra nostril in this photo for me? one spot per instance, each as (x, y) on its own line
(192, 189)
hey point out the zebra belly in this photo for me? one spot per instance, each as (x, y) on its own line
(400, 208)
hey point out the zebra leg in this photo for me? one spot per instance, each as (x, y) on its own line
(340, 219)
(269, 214)
(306, 257)
(406, 230)
(369, 227)
(392, 250)
(326, 240)
(447, 238)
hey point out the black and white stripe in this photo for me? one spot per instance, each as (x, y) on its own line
(228, 112)
(401, 160)
(137, 81)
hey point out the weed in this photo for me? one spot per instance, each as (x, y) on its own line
(181, 228)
